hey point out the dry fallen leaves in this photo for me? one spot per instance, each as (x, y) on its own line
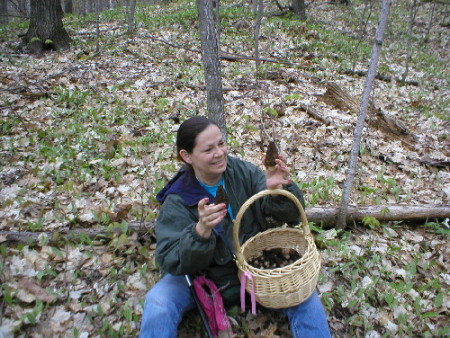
(114, 178)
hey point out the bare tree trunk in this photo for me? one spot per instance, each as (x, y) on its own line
(4, 12)
(412, 18)
(254, 6)
(97, 26)
(46, 29)
(351, 173)
(89, 5)
(368, 7)
(131, 12)
(299, 8)
(24, 7)
(68, 6)
(216, 4)
(260, 10)
(84, 9)
(211, 63)
(430, 22)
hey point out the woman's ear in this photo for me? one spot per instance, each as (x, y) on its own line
(185, 156)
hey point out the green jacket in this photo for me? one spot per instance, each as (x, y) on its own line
(180, 250)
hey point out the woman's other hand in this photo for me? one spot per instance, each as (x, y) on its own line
(209, 216)
(278, 176)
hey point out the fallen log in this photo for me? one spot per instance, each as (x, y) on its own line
(314, 114)
(76, 235)
(383, 213)
(382, 77)
(340, 99)
(325, 216)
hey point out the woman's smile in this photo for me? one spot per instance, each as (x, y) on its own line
(220, 163)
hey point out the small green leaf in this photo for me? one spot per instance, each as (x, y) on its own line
(39, 275)
(57, 252)
(7, 296)
(371, 222)
(430, 314)
(439, 300)
(389, 298)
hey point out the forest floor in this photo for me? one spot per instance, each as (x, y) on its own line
(87, 141)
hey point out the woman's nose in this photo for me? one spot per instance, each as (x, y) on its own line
(219, 152)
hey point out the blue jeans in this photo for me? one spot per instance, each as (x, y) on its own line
(171, 297)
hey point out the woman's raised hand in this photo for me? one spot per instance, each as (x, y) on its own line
(276, 177)
(209, 215)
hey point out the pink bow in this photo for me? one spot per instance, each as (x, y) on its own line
(244, 277)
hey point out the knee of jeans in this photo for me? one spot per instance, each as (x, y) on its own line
(152, 298)
(156, 300)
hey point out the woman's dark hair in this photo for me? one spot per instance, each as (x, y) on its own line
(188, 131)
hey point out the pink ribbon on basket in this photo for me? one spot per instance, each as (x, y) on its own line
(244, 277)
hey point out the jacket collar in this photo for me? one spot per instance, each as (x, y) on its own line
(186, 185)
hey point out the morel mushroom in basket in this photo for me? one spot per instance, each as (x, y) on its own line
(275, 258)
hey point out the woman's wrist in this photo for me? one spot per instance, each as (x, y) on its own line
(203, 231)
(279, 186)
(271, 184)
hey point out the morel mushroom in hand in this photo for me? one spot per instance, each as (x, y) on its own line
(221, 196)
(271, 156)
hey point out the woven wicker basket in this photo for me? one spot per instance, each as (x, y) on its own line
(285, 286)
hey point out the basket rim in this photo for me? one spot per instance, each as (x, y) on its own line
(246, 205)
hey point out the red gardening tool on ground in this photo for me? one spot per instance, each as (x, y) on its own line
(210, 304)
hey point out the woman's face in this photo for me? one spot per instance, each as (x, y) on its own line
(209, 156)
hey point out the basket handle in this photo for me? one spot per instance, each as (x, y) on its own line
(245, 206)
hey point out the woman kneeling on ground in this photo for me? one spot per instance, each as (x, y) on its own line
(195, 236)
